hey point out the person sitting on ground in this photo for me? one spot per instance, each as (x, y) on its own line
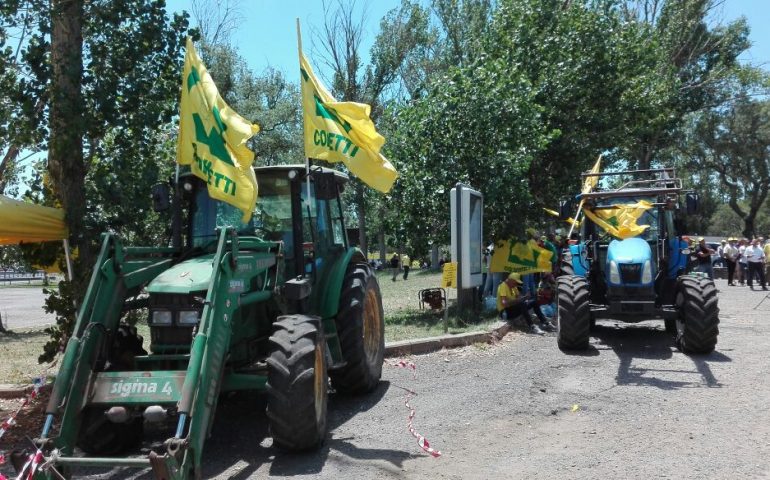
(546, 295)
(511, 304)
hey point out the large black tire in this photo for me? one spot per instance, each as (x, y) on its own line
(566, 268)
(573, 313)
(361, 330)
(99, 436)
(297, 383)
(697, 323)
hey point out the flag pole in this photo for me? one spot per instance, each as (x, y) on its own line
(307, 159)
(585, 190)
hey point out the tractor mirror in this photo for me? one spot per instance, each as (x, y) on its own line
(565, 209)
(325, 185)
(161, 197)
(691, 200)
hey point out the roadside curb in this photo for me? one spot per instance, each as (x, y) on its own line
(393, 349)
(433, 344)
(11, 391)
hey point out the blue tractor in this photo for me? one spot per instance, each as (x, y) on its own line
(643, 277)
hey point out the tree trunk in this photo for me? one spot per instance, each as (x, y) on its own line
(434, 257)
(748, 226)
(65, 148)
(382, 247)
(361, 212)
(5, 165)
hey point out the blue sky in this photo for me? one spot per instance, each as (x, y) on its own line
(267, 37)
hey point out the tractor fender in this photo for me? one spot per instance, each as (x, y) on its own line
(328, 286)
(578, 259)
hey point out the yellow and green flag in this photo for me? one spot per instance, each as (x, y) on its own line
(342, 132)
(620, 220)
(212, 138)
(590, 182)
(511, 256)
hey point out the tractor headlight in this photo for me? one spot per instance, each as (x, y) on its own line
(614, 272)
(188, 317)
(161, 317)
(647, 272)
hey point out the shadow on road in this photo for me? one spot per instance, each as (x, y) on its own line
(633, 342)
(240, 428)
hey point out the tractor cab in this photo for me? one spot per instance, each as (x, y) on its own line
(176, 296)
(282, 197)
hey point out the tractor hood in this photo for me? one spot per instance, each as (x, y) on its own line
(630, 250)
(192, 275)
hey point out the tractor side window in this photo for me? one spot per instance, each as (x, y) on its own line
(338, 225)
(272, 215)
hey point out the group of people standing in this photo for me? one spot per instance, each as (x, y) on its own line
(745, 260)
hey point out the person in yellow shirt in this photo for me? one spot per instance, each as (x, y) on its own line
(511, 303)
(405, 264)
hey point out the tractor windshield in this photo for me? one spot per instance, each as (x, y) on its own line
(271, 219)
(648, 217)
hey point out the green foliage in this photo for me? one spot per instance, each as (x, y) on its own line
(268, 99)
(733, 144)
(550, 86)
(62, 303)
(726, 223)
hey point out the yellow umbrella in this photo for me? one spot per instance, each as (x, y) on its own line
(26, 222)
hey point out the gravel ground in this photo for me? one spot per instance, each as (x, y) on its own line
(632, 406)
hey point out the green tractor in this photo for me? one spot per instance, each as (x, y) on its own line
(281, 304)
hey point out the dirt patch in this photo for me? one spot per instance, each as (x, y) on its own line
(29, 421)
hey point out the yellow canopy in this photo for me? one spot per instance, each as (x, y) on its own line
(25, 222)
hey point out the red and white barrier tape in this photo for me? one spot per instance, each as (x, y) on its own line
(422, 442)
(37, 384)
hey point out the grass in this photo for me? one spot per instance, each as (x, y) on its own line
(19, 351)
(403, 321)
(403, 318)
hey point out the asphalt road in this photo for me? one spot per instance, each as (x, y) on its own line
(632, 406)
(22, 307)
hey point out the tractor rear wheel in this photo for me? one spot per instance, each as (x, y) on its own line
(100, 437)
(697, 325)
(573, 313)
(361, 331)
(297, 383)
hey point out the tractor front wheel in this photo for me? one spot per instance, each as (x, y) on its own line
(297, 383)
(573, 313)
(361, 331)
(697, 323)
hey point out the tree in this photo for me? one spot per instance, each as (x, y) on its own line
(97, 79)
(401, 32)
(689, 63)
(267, 99)
(726, 223)
(734, 143)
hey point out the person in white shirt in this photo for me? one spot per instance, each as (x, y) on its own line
(742, 265)
(755, 257)
(730, 254)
